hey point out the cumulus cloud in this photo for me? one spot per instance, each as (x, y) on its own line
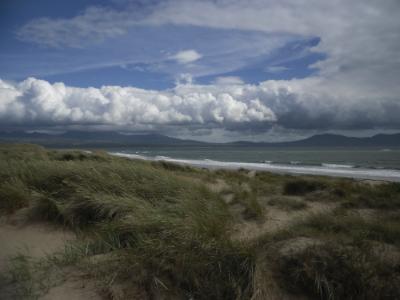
(299, 104)
(35, 102)
(186, 56)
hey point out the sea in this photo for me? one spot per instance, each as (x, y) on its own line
(362, 163)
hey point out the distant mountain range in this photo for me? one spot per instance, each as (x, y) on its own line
(105, 139)
(93, 139)
(334, 140)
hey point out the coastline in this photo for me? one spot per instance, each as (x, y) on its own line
(344, 172)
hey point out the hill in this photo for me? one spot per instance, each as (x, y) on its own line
(116, 139)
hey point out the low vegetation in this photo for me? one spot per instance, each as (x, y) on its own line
(287, 203)
(165, 231)
(301, 186)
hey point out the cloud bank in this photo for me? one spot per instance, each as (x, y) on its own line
(299, 104)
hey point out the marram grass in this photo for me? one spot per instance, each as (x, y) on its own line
(160, 229)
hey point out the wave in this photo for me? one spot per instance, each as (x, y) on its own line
(335, 170)
(129, 155)
(160, 157)
(336, 165)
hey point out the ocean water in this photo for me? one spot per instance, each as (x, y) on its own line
(366, 158)
(383, 164)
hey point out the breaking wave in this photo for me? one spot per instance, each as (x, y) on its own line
(324, 169)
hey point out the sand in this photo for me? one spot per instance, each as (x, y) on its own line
(38, 240)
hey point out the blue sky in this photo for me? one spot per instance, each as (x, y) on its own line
(142, 56)
(212, 69)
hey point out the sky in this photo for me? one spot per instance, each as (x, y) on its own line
(211, 70)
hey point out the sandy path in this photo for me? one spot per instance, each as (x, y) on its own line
(37, 241)
(277, 219)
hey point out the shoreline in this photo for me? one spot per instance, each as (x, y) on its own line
(355, 173)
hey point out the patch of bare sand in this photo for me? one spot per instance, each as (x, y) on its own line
(228, 198)
(74, 288)
(372, 182)
(36, 240)
(388, 253)
(366, 213)
(218, 186)
(277, 219)
(252, 174)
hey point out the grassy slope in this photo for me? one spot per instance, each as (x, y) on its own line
(162, 230)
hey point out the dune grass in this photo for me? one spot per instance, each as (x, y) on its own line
(158, 227)
(287, 203)
(156, 220)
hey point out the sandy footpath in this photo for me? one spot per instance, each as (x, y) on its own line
(37, 241)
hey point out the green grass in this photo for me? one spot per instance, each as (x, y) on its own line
(340, 271)
(288, 204)
(301, 186)
(13, 195)
(157, 227)
(155, 219)
(341, 263)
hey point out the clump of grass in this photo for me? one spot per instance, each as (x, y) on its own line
(187, 248)
(343, 225)
(345, 271)
(203, 265)
(381, 196)
(232, 177)
(13, 195)
(253, 210)
(301, 187)
(77, 155)
(20, 278)
(172, 167)
(23, 152)
(45, 209)
(287, 203)
(252, 207)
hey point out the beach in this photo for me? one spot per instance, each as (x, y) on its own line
(325, 170)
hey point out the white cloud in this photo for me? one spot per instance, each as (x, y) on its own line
(228, 80)
(35, 102)
(95, 24)
(184, 78)
(360, 37)
(295, 104)
(186, 56)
